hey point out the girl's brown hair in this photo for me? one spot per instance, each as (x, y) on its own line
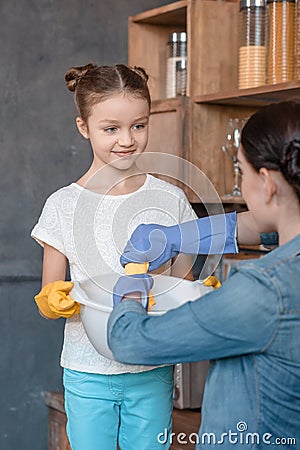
(93, 84)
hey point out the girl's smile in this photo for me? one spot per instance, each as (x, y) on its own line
(122, 154)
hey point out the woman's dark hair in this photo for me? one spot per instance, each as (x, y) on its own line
(271, 139)
(93, 84)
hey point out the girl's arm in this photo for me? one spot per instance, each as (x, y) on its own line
(182, 267)
(54, 270)
(54, 265)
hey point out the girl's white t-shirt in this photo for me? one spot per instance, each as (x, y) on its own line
(91, 230)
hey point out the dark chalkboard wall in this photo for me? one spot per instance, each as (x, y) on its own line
(40, 152)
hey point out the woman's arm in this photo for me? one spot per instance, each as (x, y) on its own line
(239, 318)
(247, 230)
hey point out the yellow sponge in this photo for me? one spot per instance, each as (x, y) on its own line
(212, 281)
(135, 268)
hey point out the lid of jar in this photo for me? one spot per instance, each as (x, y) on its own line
(181, 64)
(251, 3)
(177, 37)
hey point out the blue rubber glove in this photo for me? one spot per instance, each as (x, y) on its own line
(128, 284)
(157, 244)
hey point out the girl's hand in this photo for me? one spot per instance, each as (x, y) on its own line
(55, 301)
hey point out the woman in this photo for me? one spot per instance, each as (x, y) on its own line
(250, 327)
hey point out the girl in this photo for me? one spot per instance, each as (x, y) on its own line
(86, 224)
(251, 325)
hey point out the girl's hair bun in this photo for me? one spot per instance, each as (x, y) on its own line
(75, 74)
(290, 161)
(141, 72)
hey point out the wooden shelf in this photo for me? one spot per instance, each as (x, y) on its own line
(233, 199)
(148, 34)
(194, 127)
(254, 97)
(168, 104)
(254, 248)
(173, 14)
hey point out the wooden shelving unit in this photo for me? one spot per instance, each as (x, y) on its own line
(232, 200)
(212, 94)
(254, 97)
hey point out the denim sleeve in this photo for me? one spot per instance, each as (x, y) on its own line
(269, 238)
(239, 318)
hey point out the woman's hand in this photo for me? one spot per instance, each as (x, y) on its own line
(152, 243)
(133, 287)
(157, 244)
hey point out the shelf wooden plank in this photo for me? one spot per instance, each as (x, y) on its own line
(168, 104)
(253, 249)
(232, 199)
(54, 400)
(172, 14)
(255, 97)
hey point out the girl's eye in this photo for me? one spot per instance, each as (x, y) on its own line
(110, 129)
(139, 126)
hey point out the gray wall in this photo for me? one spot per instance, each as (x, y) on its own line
(40, 152)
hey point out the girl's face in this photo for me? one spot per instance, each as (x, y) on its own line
(117, 129)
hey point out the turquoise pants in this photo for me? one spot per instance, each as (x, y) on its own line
(131, 409)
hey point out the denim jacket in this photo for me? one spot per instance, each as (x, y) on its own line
(250, 330)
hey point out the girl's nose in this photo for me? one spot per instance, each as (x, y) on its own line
(126, 139)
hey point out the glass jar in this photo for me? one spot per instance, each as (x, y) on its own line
(281, 53)
(252, 43)
(181, 77)
(176, 52)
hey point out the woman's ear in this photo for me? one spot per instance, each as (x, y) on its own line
(82, 127)
(269, 184)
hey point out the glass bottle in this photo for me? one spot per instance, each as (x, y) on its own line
(176, 52)
(252, 48)
(281, 53)
(181, 77)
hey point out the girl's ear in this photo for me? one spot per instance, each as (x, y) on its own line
(82, 127)
(269, 184)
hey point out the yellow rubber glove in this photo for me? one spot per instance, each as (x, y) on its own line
(133, 269)
(55, 301)
(212, 281)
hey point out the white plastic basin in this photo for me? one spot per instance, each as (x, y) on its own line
(96, 301)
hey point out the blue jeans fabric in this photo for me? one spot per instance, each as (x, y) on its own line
(131, 409)
(250, 330)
